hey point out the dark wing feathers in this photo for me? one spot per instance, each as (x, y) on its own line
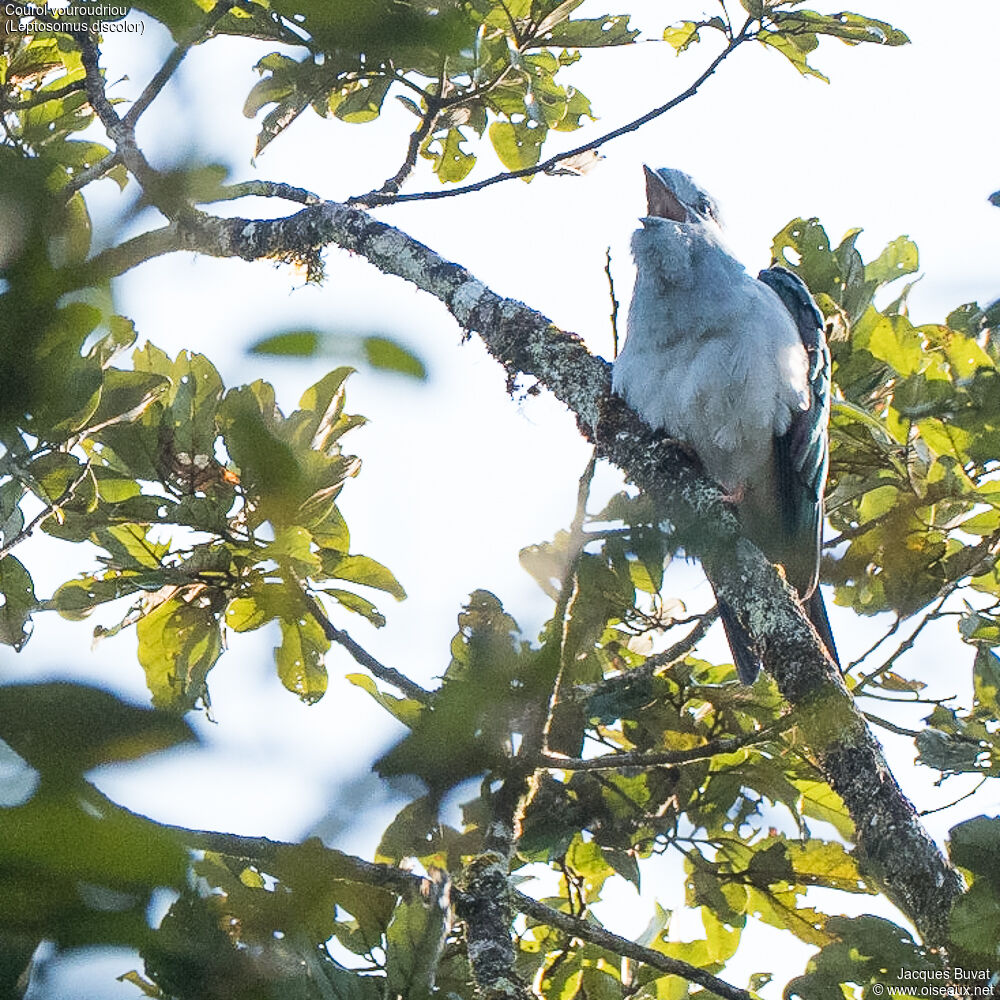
(802, 453)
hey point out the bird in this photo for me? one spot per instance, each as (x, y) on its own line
(736, 369)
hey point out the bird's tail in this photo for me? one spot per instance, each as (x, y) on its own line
(745, 655)
(816, 610)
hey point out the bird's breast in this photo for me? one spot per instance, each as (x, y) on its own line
(721, 368)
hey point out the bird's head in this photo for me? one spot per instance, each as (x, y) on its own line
(672, 194)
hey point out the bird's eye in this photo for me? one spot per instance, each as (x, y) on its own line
(705, 207)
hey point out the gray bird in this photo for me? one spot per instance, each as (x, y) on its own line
(736, 368)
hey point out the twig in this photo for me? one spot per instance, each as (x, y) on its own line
(262, 189)
(614, 301)
(40, 97)
(961, 798)
(906, 645)
(388, 674)
(622, 946)
(169, 67)
(875, 645)
(507, 175)
(394, 183)
(92, 173)
(655, 758)
(892, 727)
(653, 663)
(50, 508)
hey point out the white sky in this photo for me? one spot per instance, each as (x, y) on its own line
(456, 476)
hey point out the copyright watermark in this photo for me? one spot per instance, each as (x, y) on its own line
(955, 982)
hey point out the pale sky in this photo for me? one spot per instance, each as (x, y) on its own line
(456, 477)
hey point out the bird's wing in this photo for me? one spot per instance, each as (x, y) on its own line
(802, 452)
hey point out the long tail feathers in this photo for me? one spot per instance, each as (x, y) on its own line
(745, 655)
(816, 609)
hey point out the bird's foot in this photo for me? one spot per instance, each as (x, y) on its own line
(735, 496)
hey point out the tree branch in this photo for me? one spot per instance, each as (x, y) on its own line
(622, 946)
(173, 61)
(50, 508)
(654, 758)
(263, 189)
(388, 674)
(375, 198)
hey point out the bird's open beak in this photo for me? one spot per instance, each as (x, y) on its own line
(661, 202)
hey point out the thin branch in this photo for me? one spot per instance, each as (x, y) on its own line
(875, 645)
(652, 664)
(49, 509)
(374, 199)
(656, 758)
(92, 173)
(427, 122)
(587, 931)
(388, 674)
(406, 883)
(169, 67)
(39, 97)
(892, 727)
(117, 260)
(955, 802)
(120, 133)
(906, 645)
(614, 301)
(262, 189)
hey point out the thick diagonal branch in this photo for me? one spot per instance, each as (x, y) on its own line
(893, 846)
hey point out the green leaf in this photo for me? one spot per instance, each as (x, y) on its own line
(899, 258)
(81, 874)
(390, 355)
(975, 845)
(364, 103)
(406, 710)
(180, 16)
(19, 601)
(518, 145)
(589, 32)
(795, 48)
(357, 604)
(65, 729)
(865, 950)
(683, 35)
(451, 163)
(986, 679)
(363, 570)
(820, 801)
(975, 921)
(179, 642)
(851, 29)
(76, 599)
(300, 658)
(414, 940)
(291, 344)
